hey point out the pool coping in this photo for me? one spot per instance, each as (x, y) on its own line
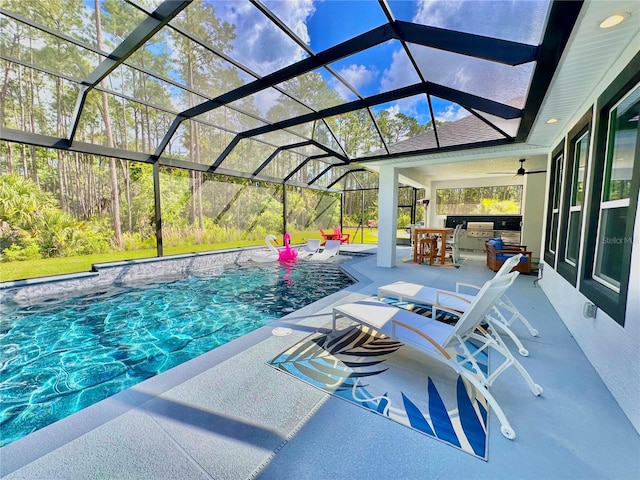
(124, 272)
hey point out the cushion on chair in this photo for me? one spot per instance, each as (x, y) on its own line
(504, 256)
(497, 243)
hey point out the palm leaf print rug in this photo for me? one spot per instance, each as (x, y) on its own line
(390, 379)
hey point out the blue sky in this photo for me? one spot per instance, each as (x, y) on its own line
(322, 24)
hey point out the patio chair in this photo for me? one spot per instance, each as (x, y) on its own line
(325, 236)
(498, 252)
(331, 248)
(405, 291)
(433, 338)
(427, 249)
(312, 246)
(453, 243)
(338, 235)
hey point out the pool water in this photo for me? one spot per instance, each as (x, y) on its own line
(62, 356)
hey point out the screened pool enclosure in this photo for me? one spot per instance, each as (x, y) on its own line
(140, 128)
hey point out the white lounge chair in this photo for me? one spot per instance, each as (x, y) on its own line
(433, 338)
(405, 291)
(453, 244)
(312, 246)
(331, 248)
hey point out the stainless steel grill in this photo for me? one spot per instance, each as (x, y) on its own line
(480, 229)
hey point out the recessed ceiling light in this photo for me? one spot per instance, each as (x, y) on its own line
(552, 120)
(613, 20)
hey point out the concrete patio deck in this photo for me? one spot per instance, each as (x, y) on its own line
(227, 415)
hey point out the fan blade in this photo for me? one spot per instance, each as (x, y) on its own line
(499, 173)
(536, 171)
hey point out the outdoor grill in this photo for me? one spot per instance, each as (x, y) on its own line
(480, 229)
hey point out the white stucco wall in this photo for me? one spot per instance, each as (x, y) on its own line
(533, 213)
(613, 350)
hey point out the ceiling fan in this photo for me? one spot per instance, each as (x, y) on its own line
(520, 171)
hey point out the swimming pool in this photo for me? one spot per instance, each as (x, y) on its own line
(61, 356)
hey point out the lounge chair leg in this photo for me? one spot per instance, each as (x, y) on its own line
(503, 325)
(505, 426)
(507, 304)
(498, 344)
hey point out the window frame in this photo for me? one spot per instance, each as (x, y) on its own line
(568, 270)
(612, 302)
(555, 192)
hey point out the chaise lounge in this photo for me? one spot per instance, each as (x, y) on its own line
(433, 338)
(459, 301)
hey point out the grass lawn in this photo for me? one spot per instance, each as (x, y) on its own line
(59, 266)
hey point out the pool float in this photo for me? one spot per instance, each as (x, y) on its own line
(270, 256)
(287, 253)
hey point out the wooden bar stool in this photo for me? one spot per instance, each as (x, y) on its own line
(427, 248)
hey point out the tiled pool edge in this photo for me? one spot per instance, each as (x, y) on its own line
(119, 273)
(123, 272)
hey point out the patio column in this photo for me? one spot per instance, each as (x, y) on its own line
(387, 216)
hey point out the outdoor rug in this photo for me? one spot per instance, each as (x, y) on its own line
(391, 379)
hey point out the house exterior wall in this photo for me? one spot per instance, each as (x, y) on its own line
(533, 213)
(612, 349)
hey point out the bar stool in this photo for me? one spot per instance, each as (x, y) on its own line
(427, 248)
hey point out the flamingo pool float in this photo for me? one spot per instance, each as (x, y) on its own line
(287, 253)
(272, 254)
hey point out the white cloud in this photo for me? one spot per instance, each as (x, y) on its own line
(451, 113)
(294, 14)
(357, 76)
(260, 44)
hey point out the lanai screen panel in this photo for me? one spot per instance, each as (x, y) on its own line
(356, 133)
(207, 209)
(171, 55)
(311, 169)
(210, 144)
(283, 164)
(369, 72)
(270, 105)
(309, 210)
(231, 120)
(247, 156)
(318, 89)
(516, 21)
(494, 81)
(315, 22)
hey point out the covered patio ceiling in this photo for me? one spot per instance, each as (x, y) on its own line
(300, 93)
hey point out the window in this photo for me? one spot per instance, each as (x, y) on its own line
(614, 200)
(616, 189)
(573, 197)
(499, 200)
(553, 209)
(581, 153)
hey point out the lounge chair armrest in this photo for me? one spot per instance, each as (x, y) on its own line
(425, 336)
(465, 284)
(449, 294)
(446, 309)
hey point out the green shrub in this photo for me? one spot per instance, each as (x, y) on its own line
(16, 253)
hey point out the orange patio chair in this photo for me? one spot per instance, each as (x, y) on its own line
(326, 236)
(338, 235)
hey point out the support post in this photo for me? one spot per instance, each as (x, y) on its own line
(387, 216)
